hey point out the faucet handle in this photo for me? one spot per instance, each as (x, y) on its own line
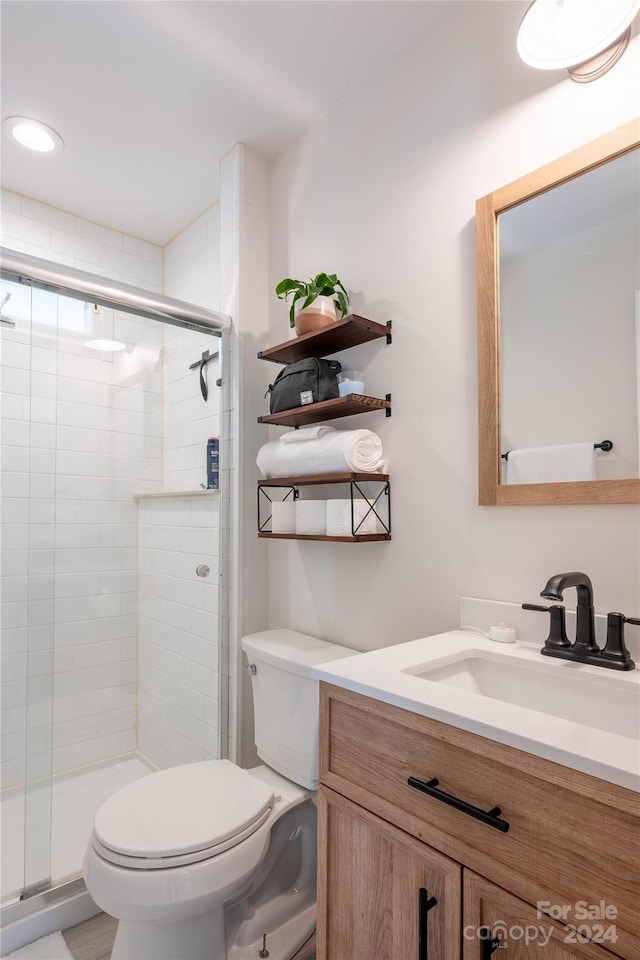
(615, 650)
(557, 627)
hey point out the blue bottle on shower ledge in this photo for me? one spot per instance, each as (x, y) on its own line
(213, 463)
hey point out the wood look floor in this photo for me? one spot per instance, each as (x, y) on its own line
(93, 940)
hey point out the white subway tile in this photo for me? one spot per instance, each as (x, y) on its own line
(71, 245)
(101, 235)
(43, 213)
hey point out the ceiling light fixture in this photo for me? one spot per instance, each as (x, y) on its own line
(34, 135)
(587, 37)
(106, 346)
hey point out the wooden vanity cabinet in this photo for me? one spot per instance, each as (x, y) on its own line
(385, 895)
(518, 929)
(570, 838)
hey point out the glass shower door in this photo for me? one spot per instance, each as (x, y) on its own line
(111, 640)
(27, 600)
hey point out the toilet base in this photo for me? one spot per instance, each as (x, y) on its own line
(198, 938)
(202, 938)
(282, 943)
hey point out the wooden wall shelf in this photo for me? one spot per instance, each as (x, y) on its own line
(316, 479)
(348, 332)
(319, 479)
(328, 410)
(367, 538)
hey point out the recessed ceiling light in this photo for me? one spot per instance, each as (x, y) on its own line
(34, 135)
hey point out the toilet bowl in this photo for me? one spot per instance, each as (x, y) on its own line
(205, 860)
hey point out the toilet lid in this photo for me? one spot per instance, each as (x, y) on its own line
(181, 810)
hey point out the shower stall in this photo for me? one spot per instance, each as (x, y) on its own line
(112, 608)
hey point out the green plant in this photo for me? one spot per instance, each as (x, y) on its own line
(322, 285)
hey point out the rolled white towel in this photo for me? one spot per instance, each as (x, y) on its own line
(306, 433)
(338, 451)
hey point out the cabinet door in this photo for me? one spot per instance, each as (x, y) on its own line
(382, 895)
(498, 925)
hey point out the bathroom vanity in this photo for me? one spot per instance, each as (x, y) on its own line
(436, 842)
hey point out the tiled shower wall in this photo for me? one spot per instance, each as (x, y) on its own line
(178, 629)
(101, 430)
(191, 273)
(73, 456)
(178, 706)
(96, 424)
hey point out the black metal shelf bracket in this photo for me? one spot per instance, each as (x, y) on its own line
(388, 399)
(264, 496)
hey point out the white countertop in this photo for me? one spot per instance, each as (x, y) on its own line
(595, 745)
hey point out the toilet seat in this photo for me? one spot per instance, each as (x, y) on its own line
(182, 815)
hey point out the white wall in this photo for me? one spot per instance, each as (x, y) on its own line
(383, 191)
(244, 259)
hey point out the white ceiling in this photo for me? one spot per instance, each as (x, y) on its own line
(148, 95)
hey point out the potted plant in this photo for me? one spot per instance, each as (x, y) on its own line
(314, 301)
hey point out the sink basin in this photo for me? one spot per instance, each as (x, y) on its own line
(556, 689)
(575, 714)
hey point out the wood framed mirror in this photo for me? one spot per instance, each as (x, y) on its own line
(558, 272)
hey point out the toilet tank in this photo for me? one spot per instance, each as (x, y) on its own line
(286, 699)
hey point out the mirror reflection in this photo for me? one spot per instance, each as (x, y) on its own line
(569, 296)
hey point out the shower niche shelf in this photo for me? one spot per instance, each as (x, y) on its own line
(175, 494)
(381, 504)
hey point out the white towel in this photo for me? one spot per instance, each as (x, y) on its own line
(558, 464)
(338, 451)
(306, 433)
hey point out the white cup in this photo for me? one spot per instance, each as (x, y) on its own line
(350, 381)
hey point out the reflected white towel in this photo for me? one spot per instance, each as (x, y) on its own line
(306, 433)
(334, 452)
(558, 464)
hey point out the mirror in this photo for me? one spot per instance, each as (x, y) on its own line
(559, 330)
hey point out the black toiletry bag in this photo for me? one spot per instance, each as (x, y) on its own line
(305, 381)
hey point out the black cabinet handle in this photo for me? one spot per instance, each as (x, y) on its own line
(425, 903)
(489, 943)
(490, 817)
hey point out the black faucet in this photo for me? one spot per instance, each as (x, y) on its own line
(584, 649)
(585, 626)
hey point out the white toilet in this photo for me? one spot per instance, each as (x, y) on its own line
(202, 861)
